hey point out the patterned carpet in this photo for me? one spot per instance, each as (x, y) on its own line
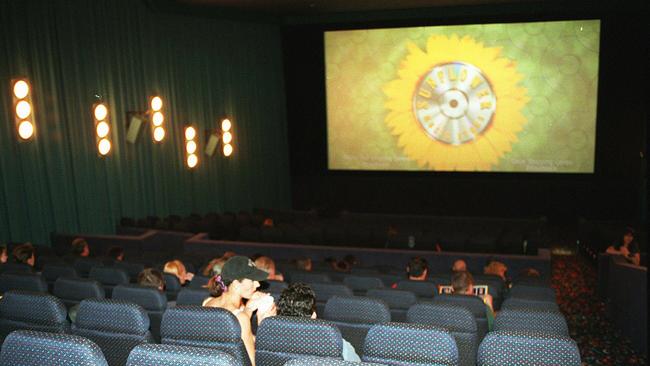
(599, 341)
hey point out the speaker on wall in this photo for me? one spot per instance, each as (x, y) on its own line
(211, 145)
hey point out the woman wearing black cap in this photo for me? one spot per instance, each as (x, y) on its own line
(239, 280)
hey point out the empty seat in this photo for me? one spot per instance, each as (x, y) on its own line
(355, 315)
(22, 281)
(198, 326)
(273, 286)
(72, 290)
(542, 321)
(83, 265)
(153, 301)
(115, 326)
(325, 361)
(131, 268)
(398, 301)
(459, 321)
(32, 311)
(199, 282)
(504, 348)
(536, 293)
(15, 268)
(324, 291)
(410, 344)
(32, 348)
(281, 338)
(422, 289)
(515, 303)
(474, 304)
(361, 284)
(309, 277)
(172, 286)
(169, 355)
(192, 296)
(52, 271)
(109, 277)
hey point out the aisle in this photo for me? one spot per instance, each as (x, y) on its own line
(600, 343)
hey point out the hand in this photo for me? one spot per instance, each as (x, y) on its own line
(189, 276)
(263, 315)
(255, 301)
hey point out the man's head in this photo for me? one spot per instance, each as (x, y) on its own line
(463, 283)
(459, 266)
(3, 254)
(304, 264)
(297, 300)
(80, 248)
(417, 269)
(116, 253)
(266, 264)
(151, 278)
(24, 254)
(496, 268)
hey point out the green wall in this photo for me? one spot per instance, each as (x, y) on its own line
(203, 68)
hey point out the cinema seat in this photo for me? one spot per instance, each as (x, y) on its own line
(22, 281)
(72, 290)
(543, 321)
(505, 348)
(152, 301)
(398, 301)
(31, 311)
(32, 348)
(168, 355)
(325, 361)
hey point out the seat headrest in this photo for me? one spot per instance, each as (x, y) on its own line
(32, 307)
(196, 323)
(115, 316)
(296, 335)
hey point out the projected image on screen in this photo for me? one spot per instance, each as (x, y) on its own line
(492, 98)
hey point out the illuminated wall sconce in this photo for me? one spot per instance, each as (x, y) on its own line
(157, 118)
(23, 108)
(102, 128)
(191, 147)
(227, 137)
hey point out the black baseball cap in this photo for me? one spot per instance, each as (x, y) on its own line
(240, 267)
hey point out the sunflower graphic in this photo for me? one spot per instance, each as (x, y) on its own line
(456, 105)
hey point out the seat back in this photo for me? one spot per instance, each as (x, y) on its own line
(22, 281)
(472, 303)
(505, 348)
(196, 326)
(115, 326)
(192, 296)
(172, 286)
(281, 338)
(398, 301)
(10, 267)
(71, 290)
(83, 265)
(531, 292)
(361, 284)
(109, 277)
(199, 282)
(410, 344)
(169, 355)
(308, 277)
(52, 271)
(31, 311)
(131, 268)
(324, 291)
(422, 289)
(355, 315)
(542, 321)
(459, 321)
(32, 348)
(154, 302)
(515, 303)
(325, 361)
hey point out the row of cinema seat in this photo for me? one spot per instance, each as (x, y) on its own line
(117, 328)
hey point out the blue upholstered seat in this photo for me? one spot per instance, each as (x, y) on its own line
(361, 284)
(505, 348)
(154, 302)
(398, 301)
(325, 361)
(22, 281)
(543, 321)
(170, 355)
(71, 290)
(32, 311)
(32, 348)
(109, 277)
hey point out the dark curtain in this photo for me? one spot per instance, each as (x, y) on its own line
(118, 49)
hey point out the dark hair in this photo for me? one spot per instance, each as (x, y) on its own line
(78, 245)
(297, 300)
(461, 281)
(217, 285)
(417, 266)
(114, 252)
(151, 277)
(23, 252)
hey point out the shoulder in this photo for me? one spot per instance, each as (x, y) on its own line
(349, 353)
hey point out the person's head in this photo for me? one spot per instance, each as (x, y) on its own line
(239, 277)
(80, 248)
(459, 266)
(297, 300)
(25, 254)
(341, 266)
(213, 267)
(151, 277)
(496, 268)
(266, 264)
(268, 222)
(351, 260)
(116, 253)
(628, 236)
(177, 268)
(529, 272)
(462, 282)
(227, 255)
(417, 269)
(3, 254)
(304, 264)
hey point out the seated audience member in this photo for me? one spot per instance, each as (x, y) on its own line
(151, 277)
(417, 269)
(627, 247)
(351, 260)
(341, 266)
(3, 254)
(529, 272)
(229, 254)
(459, 266)
(304, 264)
(213, 267)
(239, 280)
(80, 248)
(25, 254)
(463, 284)
(177, 268)
(267, 264)
(115, 253)
(300, 300)
(268, 222)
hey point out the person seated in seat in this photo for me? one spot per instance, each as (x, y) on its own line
(213, 267)
(459, 266)
(3, 254)
(80, 248)
(300, 300)
(115, 253)
(177, 268)
(150, 277)
(462, 283)
(238, 281)
(496, 268)
(25, 254)
(627, 247)
(268, 265)
(304, 264)
(417, 269)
